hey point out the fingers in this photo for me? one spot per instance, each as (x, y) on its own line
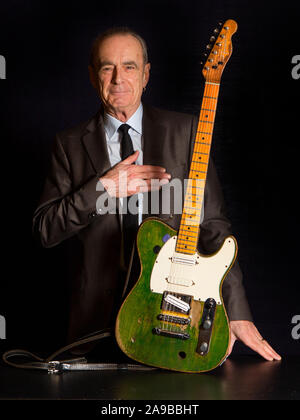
(232, 342)
(246, 332)
(263, 348)
(131, 158)
(138, 185)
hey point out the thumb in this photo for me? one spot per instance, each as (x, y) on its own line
(131, 158)
(232, 342)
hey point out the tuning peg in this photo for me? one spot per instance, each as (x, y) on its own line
(212, 39)
(216, 31)
(208, 47)
(220, 23)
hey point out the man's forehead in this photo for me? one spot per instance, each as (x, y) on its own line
(124, 45)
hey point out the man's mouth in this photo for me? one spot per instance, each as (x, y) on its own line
(118, 92)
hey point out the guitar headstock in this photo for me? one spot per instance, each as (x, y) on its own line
(220, 51)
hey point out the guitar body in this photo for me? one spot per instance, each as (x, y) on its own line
(174, 317)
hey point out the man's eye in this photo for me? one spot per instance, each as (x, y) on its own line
(130, 67)
(106, 68)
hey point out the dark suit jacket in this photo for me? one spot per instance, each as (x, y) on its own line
(67, 211)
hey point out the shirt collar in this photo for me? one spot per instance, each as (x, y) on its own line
(111, 124)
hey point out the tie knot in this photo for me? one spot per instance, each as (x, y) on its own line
(124, 128)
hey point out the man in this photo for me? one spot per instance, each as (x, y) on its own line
(88, 157)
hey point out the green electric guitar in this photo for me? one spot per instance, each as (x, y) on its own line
(174, 317)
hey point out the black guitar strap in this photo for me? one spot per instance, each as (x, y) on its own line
(53, 365)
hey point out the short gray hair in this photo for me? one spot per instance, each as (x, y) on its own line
(118, 30)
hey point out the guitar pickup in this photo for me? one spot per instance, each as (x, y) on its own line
(174, 302)
(178, 303)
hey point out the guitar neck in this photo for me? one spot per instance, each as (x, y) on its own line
(193, 204)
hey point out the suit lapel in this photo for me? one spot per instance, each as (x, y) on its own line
(154, 135)
(94, 142)
(95, 145)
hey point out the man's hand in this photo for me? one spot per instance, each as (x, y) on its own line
(126, 179)
(247, 333)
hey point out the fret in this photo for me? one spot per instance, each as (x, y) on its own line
(200, 163)
(196, 195)
(201, 142)
(191, 208)
(187, 235)
(204, 132)
(196, 202)
(200, 153)
(206, 122)
(185, 245)
(192, 220)
(189, 229)
(182, 251)
(194, 170)
(189, 232)
(198, 188)
(191, 215)
(204, 151)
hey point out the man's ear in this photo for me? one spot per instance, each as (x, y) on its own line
(93, 77)
(146, 74)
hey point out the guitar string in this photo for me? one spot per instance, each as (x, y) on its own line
(211, 91)
(177, 272)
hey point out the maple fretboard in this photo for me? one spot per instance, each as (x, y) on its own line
(193, 203)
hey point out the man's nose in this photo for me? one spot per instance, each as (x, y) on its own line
(117, 75)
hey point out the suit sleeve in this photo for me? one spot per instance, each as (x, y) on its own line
(215, 228)
(64, 210)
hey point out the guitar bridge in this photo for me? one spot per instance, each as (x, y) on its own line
(173, 319)
(171, 334)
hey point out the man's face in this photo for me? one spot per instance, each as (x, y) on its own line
(122, 75)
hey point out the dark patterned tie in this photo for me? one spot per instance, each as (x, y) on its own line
(130, 221)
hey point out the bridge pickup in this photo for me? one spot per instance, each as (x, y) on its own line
(175, 302)
(173, 319)
(171, 334)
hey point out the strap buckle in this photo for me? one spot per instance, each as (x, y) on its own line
(55, 367)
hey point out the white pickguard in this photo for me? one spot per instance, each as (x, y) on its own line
(195, 275)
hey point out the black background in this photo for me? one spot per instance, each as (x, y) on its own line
(46, 45)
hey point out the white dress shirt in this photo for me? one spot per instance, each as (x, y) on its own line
(113, 141)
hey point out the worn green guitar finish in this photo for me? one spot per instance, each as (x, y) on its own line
(138, 317)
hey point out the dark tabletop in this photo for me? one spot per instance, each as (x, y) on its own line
(241, 377)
